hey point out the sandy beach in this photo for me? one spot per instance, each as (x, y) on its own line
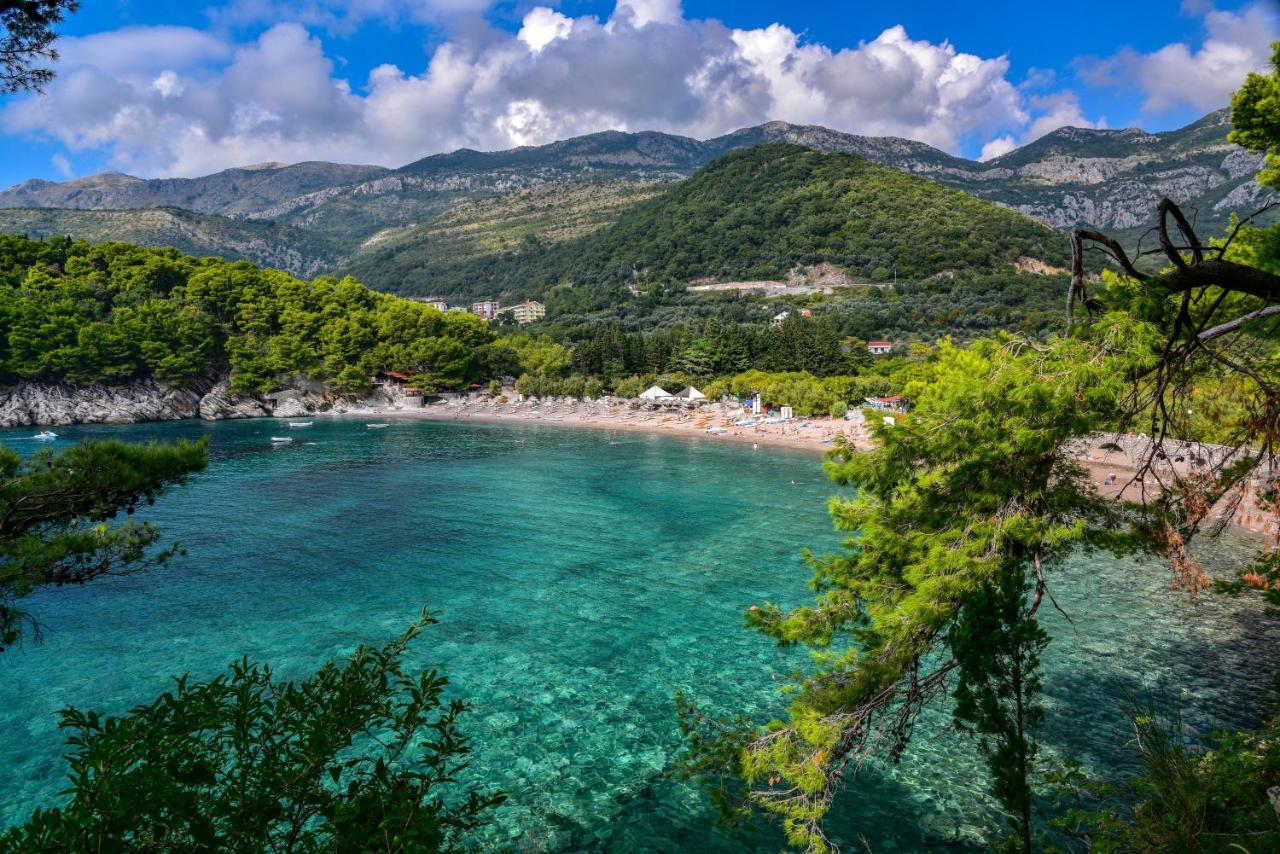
(714, 422)
(1113, 461)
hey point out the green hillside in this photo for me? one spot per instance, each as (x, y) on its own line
(270, 244)
(480, 230)
(756, 213)
(82, 313)
(753, 214)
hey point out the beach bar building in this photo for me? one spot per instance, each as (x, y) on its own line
(896, 403)
(399, 380)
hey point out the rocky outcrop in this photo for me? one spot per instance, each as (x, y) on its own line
(42, 404)
(45, 404)
(218, 404)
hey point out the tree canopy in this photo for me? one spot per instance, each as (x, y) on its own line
(968, 503)
(27, 40)
(56, 512)
(81, 313)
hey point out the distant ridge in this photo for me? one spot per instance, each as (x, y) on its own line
(1110, 179)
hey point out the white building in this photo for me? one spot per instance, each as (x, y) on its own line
(781, 318)
(527, 311)
(437, 304)
(486, 308)
(879, 348)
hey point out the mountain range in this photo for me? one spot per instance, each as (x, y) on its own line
(317, 217)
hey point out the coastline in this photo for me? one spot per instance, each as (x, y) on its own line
(1113, 462)
(808, 434)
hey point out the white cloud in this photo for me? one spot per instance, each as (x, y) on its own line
(892, 86)
(168, 84)
(1177, 74)
(1051, 112)
(183, 102)
(134, 49)
(542, 26)
(63, 165)
(1058, 110)
(644, 12)
(998, 146)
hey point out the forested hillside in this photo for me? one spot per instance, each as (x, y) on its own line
(270, 244)
(753, 214)
(81, 313)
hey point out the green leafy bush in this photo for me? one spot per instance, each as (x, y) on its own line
(361, 756)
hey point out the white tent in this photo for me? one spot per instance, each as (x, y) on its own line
(691, 393)
(655, 393)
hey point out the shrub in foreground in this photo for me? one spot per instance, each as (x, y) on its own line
(359, 757)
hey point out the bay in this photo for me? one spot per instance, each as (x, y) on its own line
(582, 579)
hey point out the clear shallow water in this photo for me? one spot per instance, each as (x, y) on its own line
(582, 579)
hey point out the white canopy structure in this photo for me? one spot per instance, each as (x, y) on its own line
(691, 393)
(655, 393)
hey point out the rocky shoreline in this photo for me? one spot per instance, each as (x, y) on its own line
(48, 404)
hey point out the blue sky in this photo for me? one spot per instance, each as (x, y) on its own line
(160, 89)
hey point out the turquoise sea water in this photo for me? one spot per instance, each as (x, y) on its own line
(583, 578)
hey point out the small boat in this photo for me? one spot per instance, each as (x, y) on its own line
(301, 423)
(45, 436)
(377, 426)
(280, 440)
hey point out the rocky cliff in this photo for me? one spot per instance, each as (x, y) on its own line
(43, 404)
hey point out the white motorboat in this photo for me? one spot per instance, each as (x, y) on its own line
(300, 423)
(45, 436)
(377, 426)
(280, 440)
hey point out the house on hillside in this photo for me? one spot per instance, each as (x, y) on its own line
(526, 312)
(485, 308)
(437, 304)
(780, 318)
(879, 348)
